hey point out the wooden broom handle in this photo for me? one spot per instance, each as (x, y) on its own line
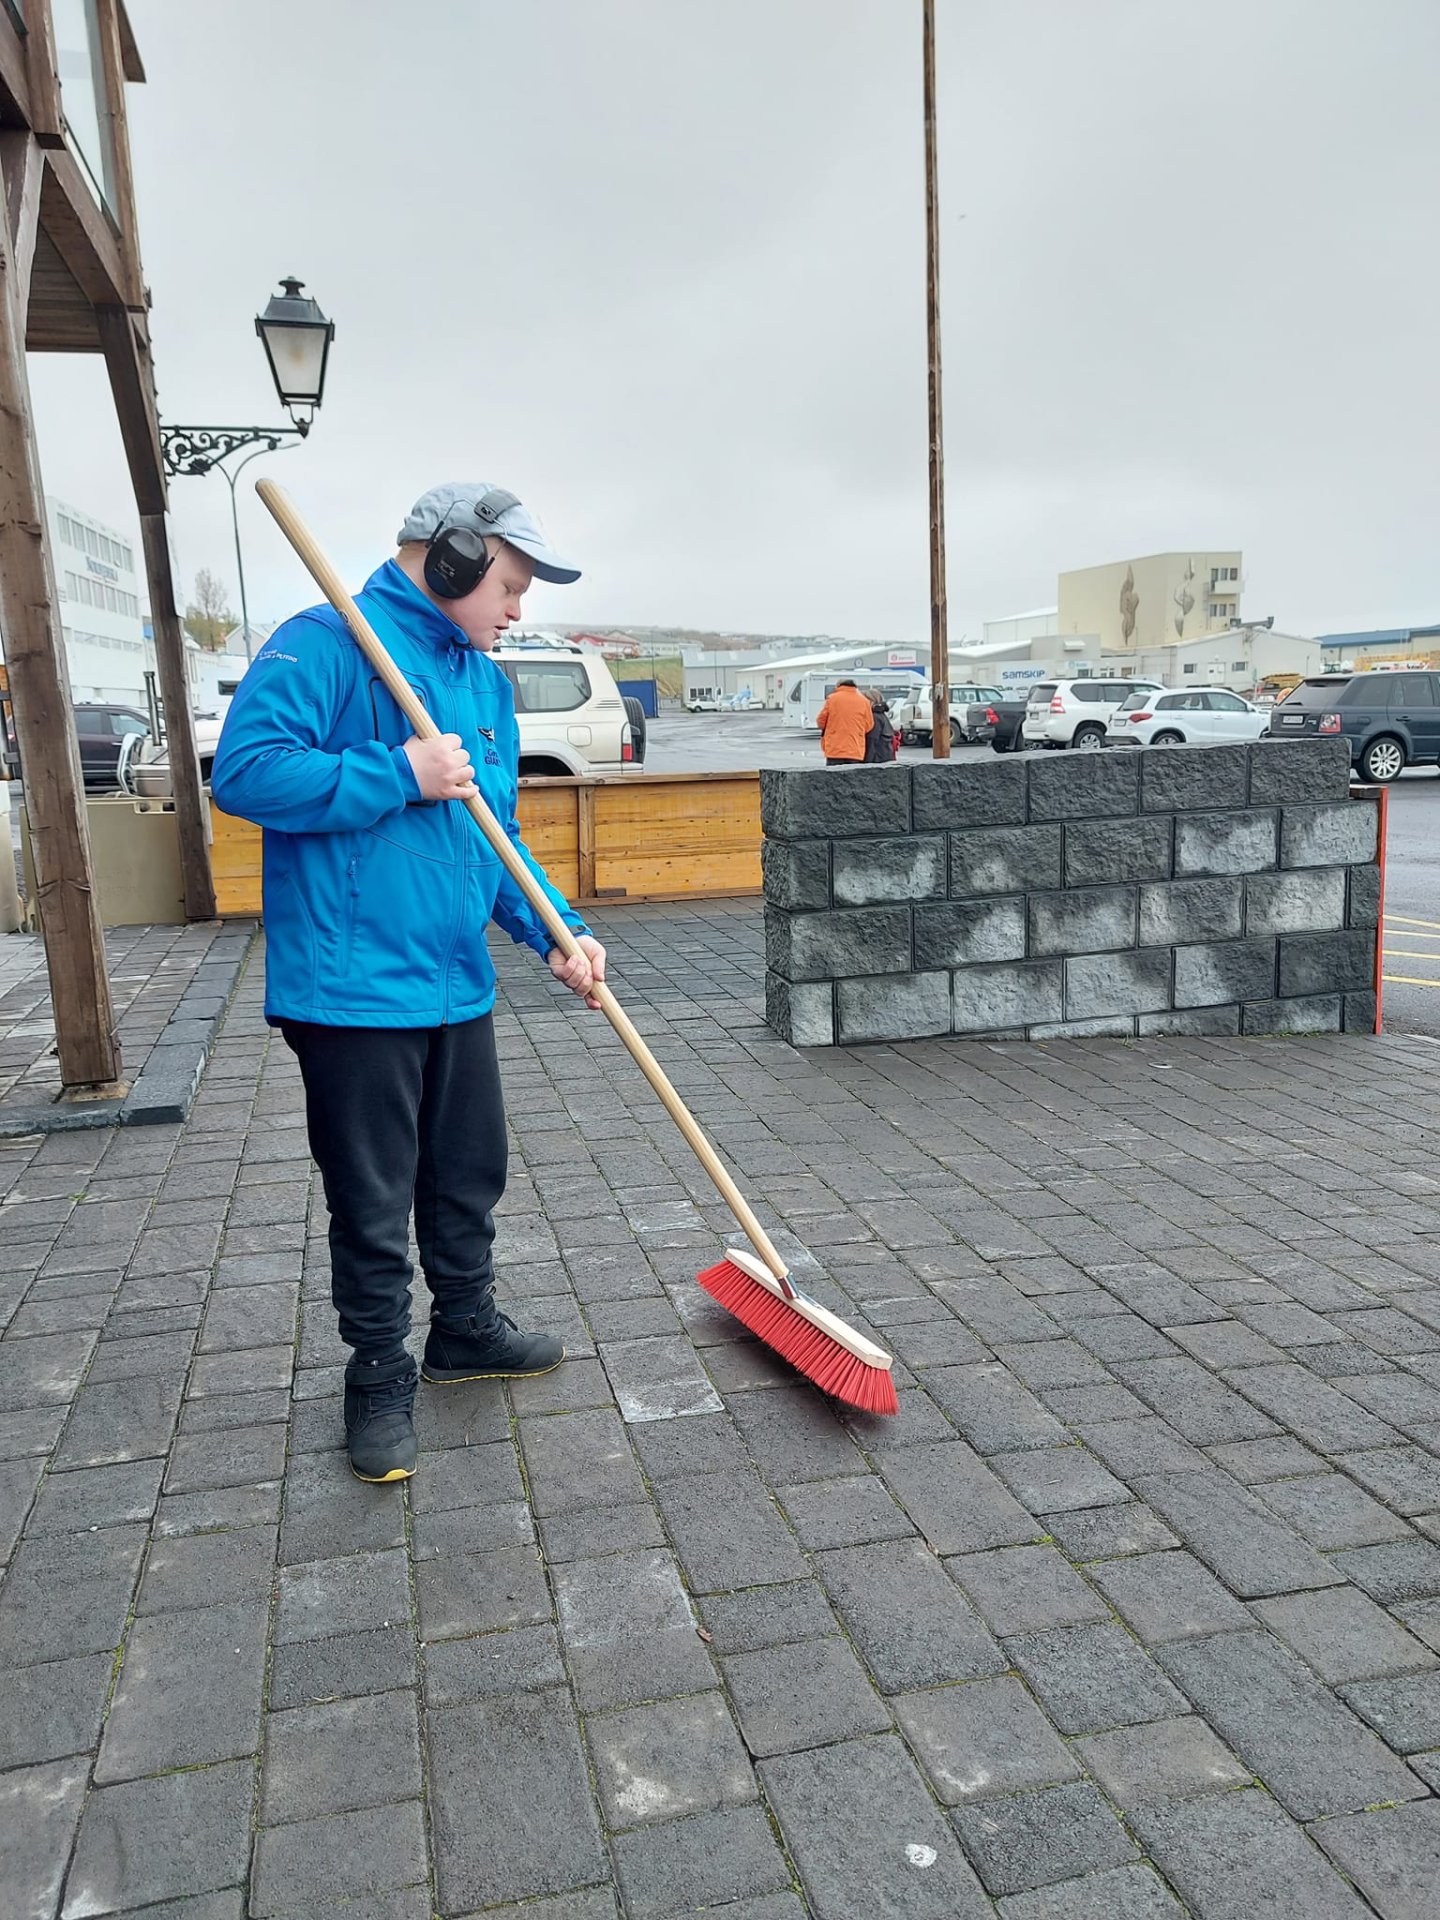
(409, 703)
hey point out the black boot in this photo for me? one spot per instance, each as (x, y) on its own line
(380, 1420)
(487, 1346)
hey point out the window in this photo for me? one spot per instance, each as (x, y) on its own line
(1226, 703)
(1089, 691)
(1237, 666)
(1041, 693)
(1190, 666)
(123, 723)
(548, 686)
(1411, 690)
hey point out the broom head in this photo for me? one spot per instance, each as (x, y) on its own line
(840, 1361)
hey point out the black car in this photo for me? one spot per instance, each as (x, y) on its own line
(102, 728)
(1392, 720)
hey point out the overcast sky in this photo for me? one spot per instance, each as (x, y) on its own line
(658, 266)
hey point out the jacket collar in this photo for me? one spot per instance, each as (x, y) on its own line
(410, 609)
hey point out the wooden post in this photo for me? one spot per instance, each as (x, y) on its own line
(45, 723)
(939, 621)
(185, 783)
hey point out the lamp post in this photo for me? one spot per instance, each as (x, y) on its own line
(296, 337)
(939, 619)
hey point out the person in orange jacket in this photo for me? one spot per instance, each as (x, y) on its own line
(845, 719)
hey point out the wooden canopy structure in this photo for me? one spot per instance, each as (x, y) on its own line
(71, 282)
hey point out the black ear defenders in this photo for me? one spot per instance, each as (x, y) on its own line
(455, 557)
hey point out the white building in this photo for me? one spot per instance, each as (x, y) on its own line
(101, 616)
(1020, 629)
(1241, 659)
(721, 676)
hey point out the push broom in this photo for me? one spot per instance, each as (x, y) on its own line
(756, 1286)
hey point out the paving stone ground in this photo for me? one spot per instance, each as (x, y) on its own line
(1133, 1612)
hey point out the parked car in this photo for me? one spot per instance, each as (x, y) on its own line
(997, 724)
(1392, 720)
(914, 719)
(149, 773)
(102, 729)
(1076, 713)
(1191, 716)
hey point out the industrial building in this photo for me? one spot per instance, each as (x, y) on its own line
(102, 619)
(715, 678)
(1130, 605)
(1380, 647)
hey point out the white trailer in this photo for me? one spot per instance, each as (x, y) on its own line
(808, 692)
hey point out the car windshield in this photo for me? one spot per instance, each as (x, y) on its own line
(1134, 701)
(547, 686)
(1314, 695)
(1042, 693)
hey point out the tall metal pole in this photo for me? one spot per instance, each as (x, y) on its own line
(939, 624)
(230, 479)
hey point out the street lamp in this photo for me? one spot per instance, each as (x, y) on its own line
(296, 337)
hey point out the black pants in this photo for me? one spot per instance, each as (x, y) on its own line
(402, 1115)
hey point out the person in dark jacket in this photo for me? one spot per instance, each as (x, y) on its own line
(880, 746)
(378, 891)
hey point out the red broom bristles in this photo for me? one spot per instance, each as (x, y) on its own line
(819, 1356)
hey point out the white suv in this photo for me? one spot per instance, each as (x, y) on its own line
(914, 719)
(1075, 713)
(571, 716)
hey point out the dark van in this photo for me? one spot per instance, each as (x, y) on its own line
(1392, 720)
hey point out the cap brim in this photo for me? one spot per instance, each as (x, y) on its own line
(548, 566)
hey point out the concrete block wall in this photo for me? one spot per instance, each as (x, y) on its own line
(1164, 890)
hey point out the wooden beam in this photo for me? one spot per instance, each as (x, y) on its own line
(134, 67)
(191, 811)
(126, 346)
(14, 75)
(45, 725)
(23, 165)
(83, 235)
(47, 116)
(112, 64)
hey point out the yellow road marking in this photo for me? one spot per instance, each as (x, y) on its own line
(1407, 953)
(1405, 920)
(1407, 980)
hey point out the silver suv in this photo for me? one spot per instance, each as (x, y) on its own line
(571, 716)
(1076, 713)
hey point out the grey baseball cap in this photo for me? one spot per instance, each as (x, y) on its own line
(454, 505)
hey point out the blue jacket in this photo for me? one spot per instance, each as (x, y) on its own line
(376, 901)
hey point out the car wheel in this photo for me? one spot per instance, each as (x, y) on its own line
(1087, 739)
(635, 714)
(1168, 740)
(957, 734)
(1382, 760)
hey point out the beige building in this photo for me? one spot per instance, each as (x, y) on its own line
(1154, 602)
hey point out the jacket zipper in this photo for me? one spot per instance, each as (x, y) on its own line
(352, 908)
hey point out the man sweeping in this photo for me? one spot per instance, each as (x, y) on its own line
(377, 895)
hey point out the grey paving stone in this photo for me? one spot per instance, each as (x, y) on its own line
(1169, 1596)
(668, 1760)
(481, 1592)
(1034, 1839)
(328, 1512)
(1165, 1760)
(182, 1514)
(173, 1661)
(1311, 1409)
(992, 1409)
(844, 1513)
(338, 1855)
(1133, 1448)
(51, 1711)
(1093, 1677)
(1254, 1461)
(581, 1536)
(954, 1499)
(95, 1497)
(982, 1739)
(343, 1667)
(866, 1836)
(465, 1530)
(727, 1531)
(117, 1864)
(1406, 1570)
(628, 1631)
(226, 1905)
(1025, 1589)
(339, 1757)
(1238, 1856)
(593, 1903)
(1331, 1511)
(1343, 1635)
(239, 1457)
(1405, 1712)
(1312, 1753)
(1407, 1478)
(1119, 1334)
(43, 1371)
(39, 1809)
(912, 1625)
(1058, 1479)
(805, 1695)
(793, 1435)
(1105, 1533)
(466, 1477)
(578, 1460)
(1196, 1404)
(1115, 1893)
(324, 1597)
(132, 1419)
(706, 1861)
(1392, 1855)
(523, 1660)
(68, 1594)
(767, 1616)
(1235, 1534)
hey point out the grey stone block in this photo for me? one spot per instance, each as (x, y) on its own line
(118, 1863)
(39, 1808)
(988, 1738)
(767, 1616)
(1115, 1893)
(1095, 1677)
(1404, 1711)
(1169, 1596)
(1363, 907)
(344, 1666)
(852, 1512)
(1189, 1023)
(1189, 779)
(911, 1623)
(867, 873)
(1101, 851)
(577, 1460)
(989, 999)
(1004, 860)
(842, 1813)
(465, 1593)
(1035, 1839)
(68, 1594)
(838, 945)
(1218, 975)
(966, 932)
(789, 1698)
(1392, 1855)
(796, 874)
(1107, 1533)
(829, 803)
(667, 1760)
(1319, 1013)
(1331, 1512)
(345, 1595)
(172, 1661)
(1052, 1480)
(1234, 1853)
(1221, 843)
(1026, 1589)
(524, 1660)
(968, 793)
(628, 1630)
(1359, 1012)
(337, 1857)
(1312, 963)
(1313, 1754)
(802, 1013)
(1110, 1026)
(1335, 836)
(991, 1408)
(1166, 1760)
(1307, 900)
(1083, 786)
(709, 1860)
(1235, 1533)
(726, 1531)
(1117, 983)
(1408, 1570)
(1190, 910)
(340, 1756)
(897, 1006)
(51, 1711)
(1086, 920)
(1284, 772)
(1343, 1635)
